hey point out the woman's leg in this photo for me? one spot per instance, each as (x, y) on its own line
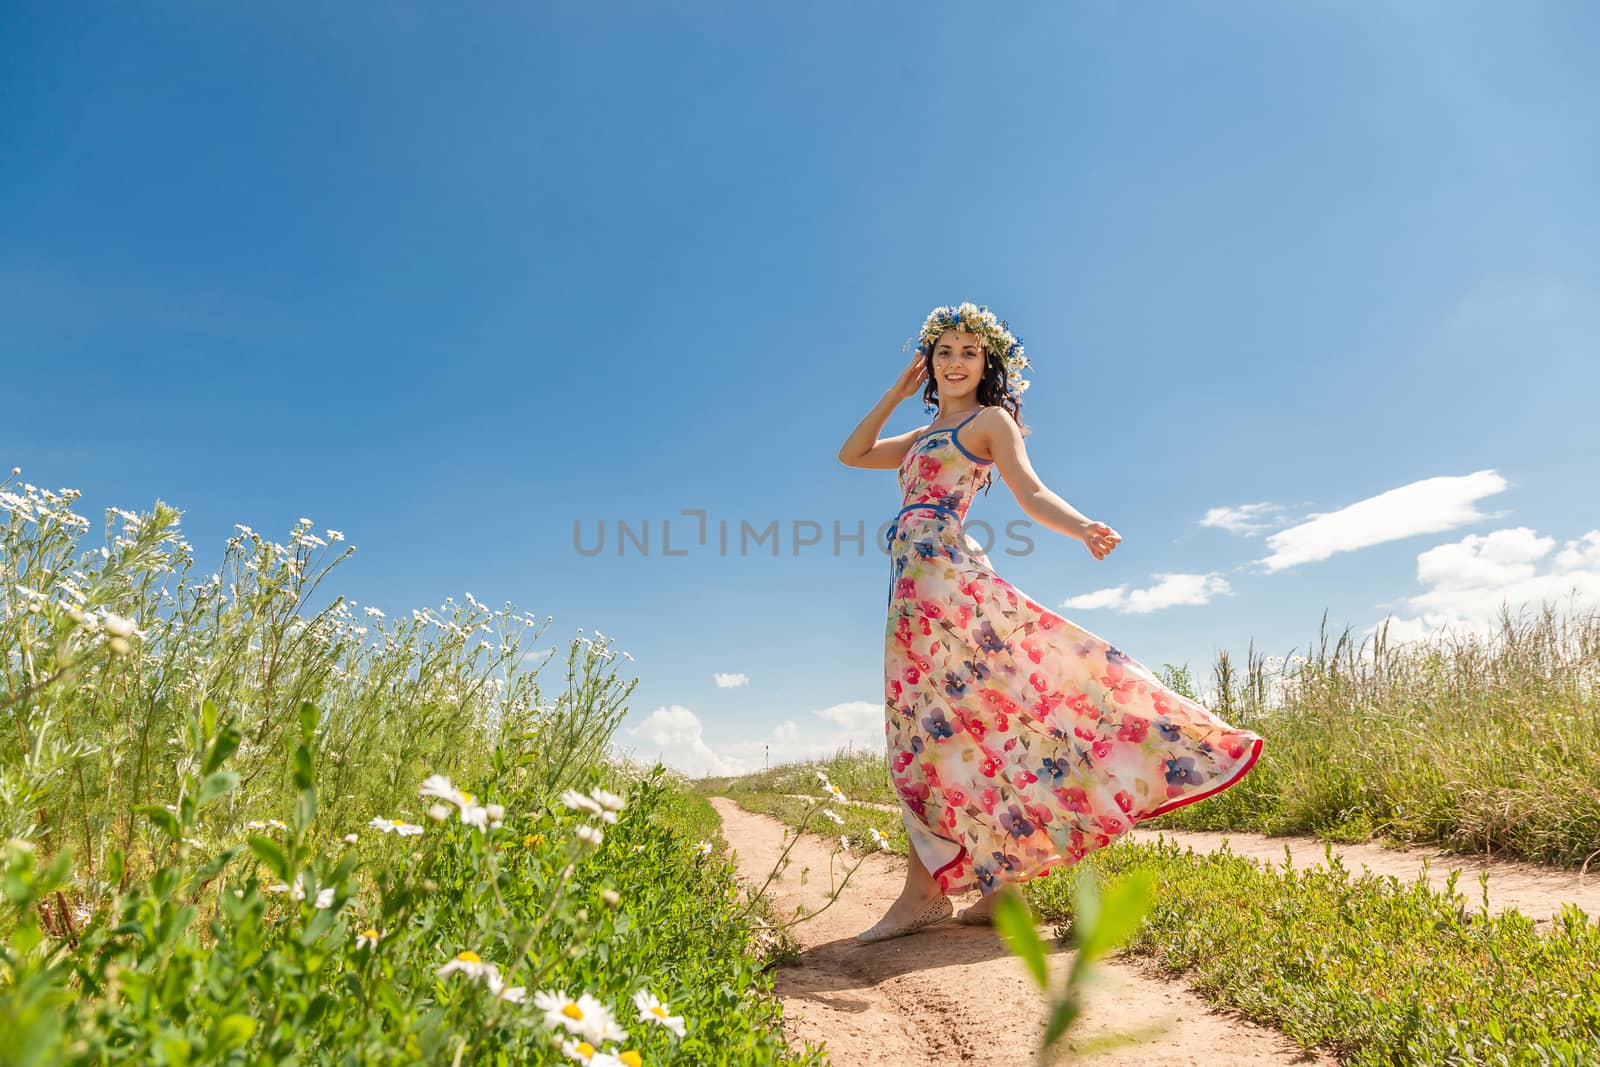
(920, 888)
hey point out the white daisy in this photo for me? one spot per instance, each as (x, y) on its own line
(515, 994)
(579, 802)
(830, 813)
(438, 785)
(579, 1050)
(653, 1010)
(395, 826)
(609, 801)
(325, 898)
(583, 1017)
(589, 835)
(470, 964)
(368, 938)
(877, 837)
(704, 848)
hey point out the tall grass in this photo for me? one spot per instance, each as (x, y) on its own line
(245, 821)
(95, 718)
(1474, 741)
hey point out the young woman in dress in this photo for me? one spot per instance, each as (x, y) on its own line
(1017, 741)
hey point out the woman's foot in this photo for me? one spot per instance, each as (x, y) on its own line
(910, 913)
(979, 914)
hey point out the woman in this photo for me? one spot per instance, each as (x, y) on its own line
(1017, 740)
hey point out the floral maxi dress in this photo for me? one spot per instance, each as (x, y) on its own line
(1018, 741)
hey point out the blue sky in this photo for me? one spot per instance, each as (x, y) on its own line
(1310, 292)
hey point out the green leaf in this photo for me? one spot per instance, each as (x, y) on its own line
(213, 867)
(208, 716)
(1122, 910)
(267, 851)
(232, 1032)
(304, 773)
(1014, 922)
(308, 722)
(226, 744)
(162, 818)
(216, 786)
(1061, 1015)
(305, 809)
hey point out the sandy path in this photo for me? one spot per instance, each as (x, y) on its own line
(1536, 890)
(953, 994)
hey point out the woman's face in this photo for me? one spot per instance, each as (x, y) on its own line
(957, 366)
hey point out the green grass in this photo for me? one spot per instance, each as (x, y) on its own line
(188, 769)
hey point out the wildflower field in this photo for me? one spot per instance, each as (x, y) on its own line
(248, 821)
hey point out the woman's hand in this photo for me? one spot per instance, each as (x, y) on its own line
(1100, 539)
(909, 384)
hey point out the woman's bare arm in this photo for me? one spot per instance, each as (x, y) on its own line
(863, 448)
(998, 434)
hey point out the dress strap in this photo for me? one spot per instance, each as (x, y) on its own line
(968, 419)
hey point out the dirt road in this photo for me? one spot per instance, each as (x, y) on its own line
(953, 994)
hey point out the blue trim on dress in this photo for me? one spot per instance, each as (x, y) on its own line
(954, 438)
(894, 529)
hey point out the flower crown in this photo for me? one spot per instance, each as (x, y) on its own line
(981, 321)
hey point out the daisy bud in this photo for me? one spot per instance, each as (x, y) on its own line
(438, 813)
(118, 645)
(611, 897)
(116, 624)
(496, 812)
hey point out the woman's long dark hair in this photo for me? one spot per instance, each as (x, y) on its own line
(993, 391)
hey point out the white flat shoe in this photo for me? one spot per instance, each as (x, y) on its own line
(938, 910)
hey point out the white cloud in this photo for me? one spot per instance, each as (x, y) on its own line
(676, 736)
(1246, 519)
(1468, 580)
(854, 715)
(729, 681)
(1169, 591)
(1428, 506)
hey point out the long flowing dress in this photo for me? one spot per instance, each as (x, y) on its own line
(1017, 740)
